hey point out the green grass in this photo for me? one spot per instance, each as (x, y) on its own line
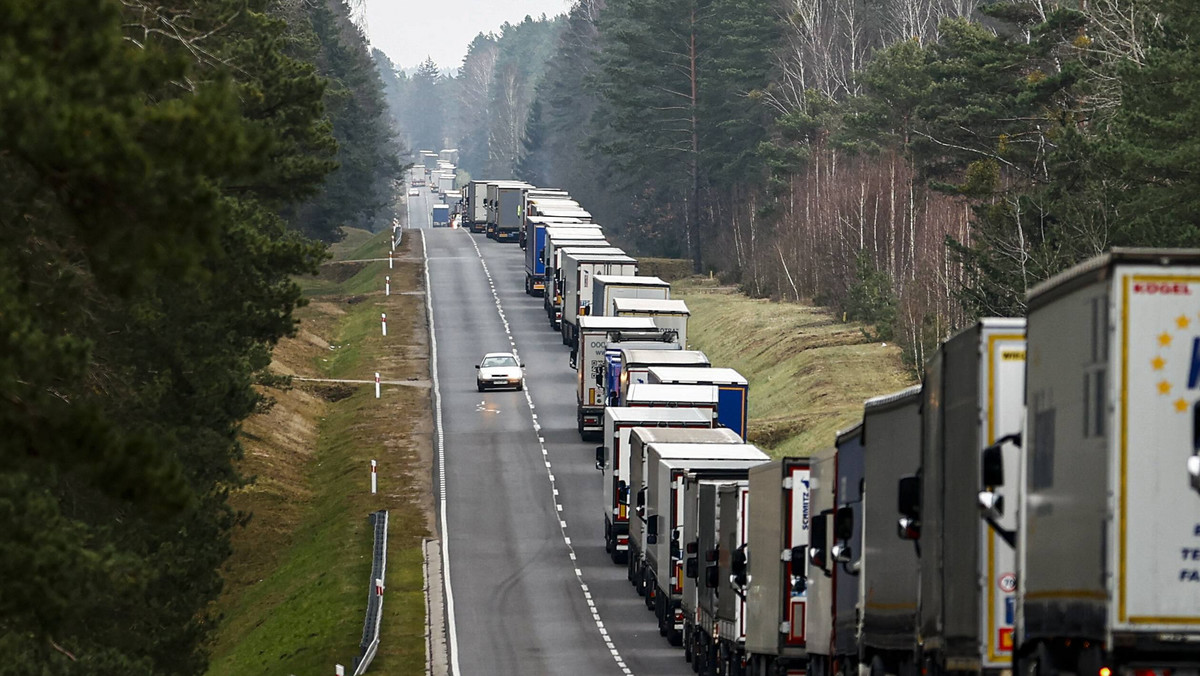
(298, 581)
(809, 373)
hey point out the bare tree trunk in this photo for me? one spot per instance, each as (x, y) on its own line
(693, 209)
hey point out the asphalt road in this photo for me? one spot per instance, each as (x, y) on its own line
(532, 590)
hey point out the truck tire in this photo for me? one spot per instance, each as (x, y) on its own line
(528, 286)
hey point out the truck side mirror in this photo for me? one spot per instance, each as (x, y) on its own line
(600, 457)
(842, 553)
(797, 558)
(738, 564)
(843, 523)
(908, 497)
(908, 503)
(819, 536)
(691, 567)
(652, 529)
(712, 577)
(993, 466)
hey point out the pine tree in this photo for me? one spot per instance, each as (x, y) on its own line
(1154, 147)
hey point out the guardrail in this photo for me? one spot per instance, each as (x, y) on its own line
(370, 637)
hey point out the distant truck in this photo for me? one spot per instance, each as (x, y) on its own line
(675, 396)
(595, 335)
(506, 204)
(429, 160)
(819, 616)
(533, 241)
(773, 639)
(475, 215)
(1108, 569)
(845, 560)
(612, 458)
(667, 465)
(578, 271)
(887, 628)
(492, 203)
(702, 576)
(667, 314)
(733, 389)
(555, 277)
(640, 439)
(446, 182)
(441, 215)
(631, 367)
(558, 237)
(973, 395)
(607, 288)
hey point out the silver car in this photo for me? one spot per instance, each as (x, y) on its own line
(500, 369)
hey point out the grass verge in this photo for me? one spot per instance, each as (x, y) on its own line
(297, 583)
(809, 373)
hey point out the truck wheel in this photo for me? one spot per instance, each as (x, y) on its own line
(528, 287)
(877, 667)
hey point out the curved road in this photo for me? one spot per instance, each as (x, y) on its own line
(533, 591)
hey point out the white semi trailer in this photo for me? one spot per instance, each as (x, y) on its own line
(1108, 541)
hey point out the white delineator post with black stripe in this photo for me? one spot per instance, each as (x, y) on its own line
(376, 385)
(387, 286)
(383, 320)
(374, 475)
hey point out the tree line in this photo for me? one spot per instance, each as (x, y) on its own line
(167, 168)
(912, 163)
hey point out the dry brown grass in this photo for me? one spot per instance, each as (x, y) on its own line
(295, 585)
(809, 372)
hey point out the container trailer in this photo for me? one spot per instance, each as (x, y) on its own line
(662, 499)
(667, 314)
(732, 386)
(612, 458)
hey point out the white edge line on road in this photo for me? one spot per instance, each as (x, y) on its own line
(451, 628)
(549, 471)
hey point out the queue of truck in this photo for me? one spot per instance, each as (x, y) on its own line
(1033, 507)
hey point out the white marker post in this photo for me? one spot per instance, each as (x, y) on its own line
(374, 479)
(390, 260)
(376, 385)
(387, 286)
(339, 670)
(384, 323)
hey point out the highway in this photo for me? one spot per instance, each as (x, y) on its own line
(531, 590)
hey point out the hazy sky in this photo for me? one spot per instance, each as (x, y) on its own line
(409, 30)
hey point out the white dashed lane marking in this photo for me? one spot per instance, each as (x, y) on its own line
(549, 473)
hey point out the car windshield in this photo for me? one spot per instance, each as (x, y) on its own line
(504, 360)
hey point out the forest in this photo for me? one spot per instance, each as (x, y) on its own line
(168, 167)
(912, 163)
